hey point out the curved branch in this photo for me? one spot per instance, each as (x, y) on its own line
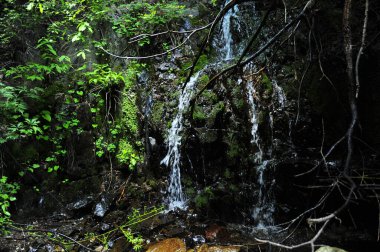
(158, 54)
(218, 17)
(252, 57)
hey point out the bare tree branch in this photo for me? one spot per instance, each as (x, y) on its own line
(362, 46)
(158, 54)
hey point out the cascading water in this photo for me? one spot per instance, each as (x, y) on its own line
(227, 40)
(263, 211)
(176, 197)
(254, 121)
(279, 94)
(264, 208)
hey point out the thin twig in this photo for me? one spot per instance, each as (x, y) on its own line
(364, 34)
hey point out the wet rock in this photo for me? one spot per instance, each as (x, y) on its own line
(83, 161)
(168, 245)
(213, 232)
(330, 249)
(143, 77)
(206, 248)
(152, 143)
(199, 239)
(166, 66)
(105, 226)
(100, 249)
(173, 231)
(81, 203)
(102, 207)
(120, 245)
(166, 76)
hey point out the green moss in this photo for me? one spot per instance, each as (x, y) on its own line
(157, 113)
(198, 114)
(202, 62)
(267, 84)
(262, 117)
(129, 110)
(202, 199)
(190, 192)
(203, 80)
(210, 96)
(217, 108)
(233, 146)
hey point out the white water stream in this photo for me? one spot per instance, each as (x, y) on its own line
(176, 197)
(227, 49)
(264, 208)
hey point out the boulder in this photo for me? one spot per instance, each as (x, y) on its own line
(168, 245)
(330, 249)
(206, 248)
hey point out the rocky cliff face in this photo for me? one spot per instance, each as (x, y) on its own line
(246, 137)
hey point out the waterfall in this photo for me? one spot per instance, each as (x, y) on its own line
(176, 197)
(263, 210)
(227, 40)
(255, 138)
(278, 94)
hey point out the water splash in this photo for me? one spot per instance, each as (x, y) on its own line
(176, 197)
(263, 211)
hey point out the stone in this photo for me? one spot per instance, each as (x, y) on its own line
(81, 203)
(166, 66)
(102, 207)
(206, 248)
(168, 245)
(330, 249)
(100, 249)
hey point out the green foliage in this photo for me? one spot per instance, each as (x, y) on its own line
(104, 77)
(144, 17)
(126, 229)
(128, 155)
(57, 76)
(198, 114)
(7, 195)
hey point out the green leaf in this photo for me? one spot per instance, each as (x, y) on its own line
(82, 54)
(41, 8)
(66, 125)
(51, 49)
(46, 115)
(30, 6)
(76, 37)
